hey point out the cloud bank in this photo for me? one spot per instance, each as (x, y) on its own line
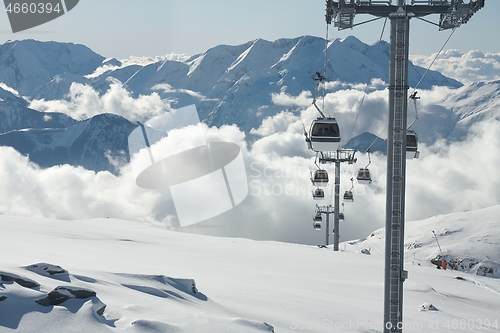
(447, 178)
(83, 102)
(472, 66)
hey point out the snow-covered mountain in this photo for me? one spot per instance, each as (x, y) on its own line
(235, 84)
(29, 65)
(461, 109)
(99, 143)
(108, 275)
(469, 241)
(51, 138)
(16, 115)
(228, 84)
(366, 141)
(450, 117)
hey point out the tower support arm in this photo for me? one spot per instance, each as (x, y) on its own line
(452, 13)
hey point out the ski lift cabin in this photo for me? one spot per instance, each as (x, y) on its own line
(411, 145)
(317, 225)
(317, 222)
(324, 134)
(341, 216)
(348, 196)
(364, 176)
(318, 194)
(320, 178)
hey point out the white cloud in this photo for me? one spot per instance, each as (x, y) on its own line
(472, 66)
(167, 88)
(457, 177)
(84, 102)
(282, 122)
(138, 60)
(284, 99)
(71, 193)
(144, 61)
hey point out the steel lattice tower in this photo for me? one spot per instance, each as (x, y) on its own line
(453, 13)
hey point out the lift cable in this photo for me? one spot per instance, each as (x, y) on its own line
(369, 158)
(376, 138)
(435, 236)
(420, 81)
(414, 97)
(319, 78)
(325, 61)
(322, 78)
(435, 58)
(369, 80)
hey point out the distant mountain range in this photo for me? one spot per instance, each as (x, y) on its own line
(229, 85)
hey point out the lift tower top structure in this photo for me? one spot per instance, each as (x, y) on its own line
(453, 13)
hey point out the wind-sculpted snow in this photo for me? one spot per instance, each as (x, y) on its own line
(92, 298)
(120, 280)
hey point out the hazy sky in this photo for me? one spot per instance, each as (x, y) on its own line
(123, 28)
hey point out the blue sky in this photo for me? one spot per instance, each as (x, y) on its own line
(122, 28)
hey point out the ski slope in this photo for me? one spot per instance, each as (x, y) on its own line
(155, 280)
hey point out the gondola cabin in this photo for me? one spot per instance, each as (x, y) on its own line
(348, 196)
(324, 134)
(411, 145)
(364, 176)
(320, 178)
(317, 221)
(341, 216)
(318, 194)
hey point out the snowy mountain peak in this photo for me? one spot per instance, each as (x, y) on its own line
(27, 65)
(229, 84)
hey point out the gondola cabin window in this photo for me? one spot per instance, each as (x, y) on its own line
(320, 129)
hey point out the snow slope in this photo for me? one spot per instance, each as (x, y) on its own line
(144, 275)
(469, 241)
(471, 104)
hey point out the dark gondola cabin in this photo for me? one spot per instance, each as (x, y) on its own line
(411, 145)
(341, 216)
(320, 178)
(348, 196)
(364, 176)
(317, 221)
(318, 194)
(324, 134)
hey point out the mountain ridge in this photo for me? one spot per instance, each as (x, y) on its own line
(229, 85)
